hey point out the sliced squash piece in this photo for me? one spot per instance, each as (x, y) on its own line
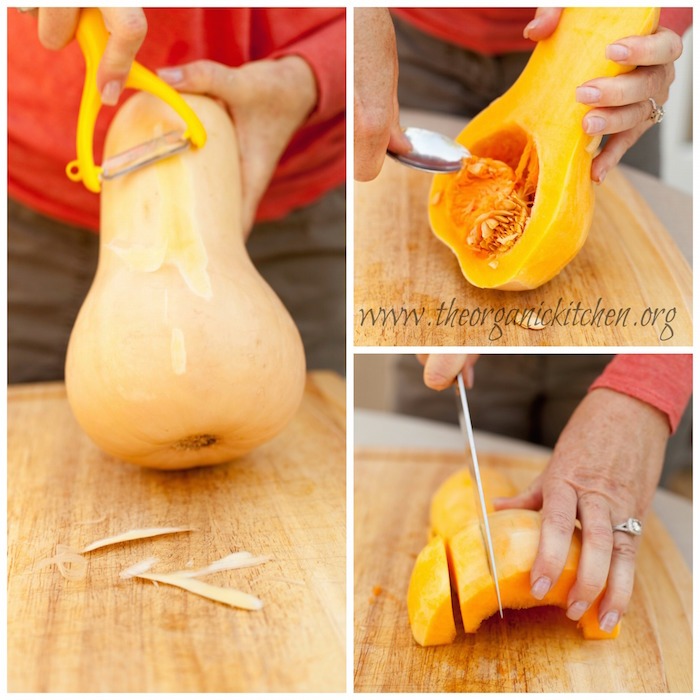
(521, 208)
(453, 505)
(515, 535)
(430, 598)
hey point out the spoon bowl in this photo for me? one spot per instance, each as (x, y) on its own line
(431, 152)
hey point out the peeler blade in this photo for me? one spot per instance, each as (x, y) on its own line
(144, 154)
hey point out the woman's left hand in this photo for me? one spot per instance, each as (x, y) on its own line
(621, 105)
(267, 100)
(604, 470)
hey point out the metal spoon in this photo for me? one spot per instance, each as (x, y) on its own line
(431, 152)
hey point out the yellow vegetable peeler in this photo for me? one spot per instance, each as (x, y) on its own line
(92, 37)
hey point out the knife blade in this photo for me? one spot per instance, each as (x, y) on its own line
(465, 422)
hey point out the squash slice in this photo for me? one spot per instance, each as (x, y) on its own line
(515, 535)
(430, 598)
(453, 505)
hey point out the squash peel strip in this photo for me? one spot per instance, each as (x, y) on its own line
(235, 560)
(227, 596)
(133, 535)
(77, 569)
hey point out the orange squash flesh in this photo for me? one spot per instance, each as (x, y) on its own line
(453, 505)
(430, 597)
(536, 130)
(515, 535)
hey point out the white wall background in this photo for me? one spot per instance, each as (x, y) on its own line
(677, 126)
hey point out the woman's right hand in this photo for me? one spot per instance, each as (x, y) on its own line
(376, 102)
(127, 28)
(441, 370)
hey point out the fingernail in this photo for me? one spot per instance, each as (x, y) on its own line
(587, 95)
(111, 92)
(470, 377)
(171, 75)
(576, 610)
(617, 52)
(610, 619)
(601, 176)
(594, 125)
(541, 587)
(532, 25)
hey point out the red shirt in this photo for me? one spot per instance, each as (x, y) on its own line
(44, 89)
(662, 381)
(496, 30)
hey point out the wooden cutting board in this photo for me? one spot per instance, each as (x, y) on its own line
(536, 650)
(404, 275)
(104, 634)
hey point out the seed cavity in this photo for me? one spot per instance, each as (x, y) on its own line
(491, 202)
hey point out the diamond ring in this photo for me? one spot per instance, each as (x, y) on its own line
(631, 526)
(657, 112)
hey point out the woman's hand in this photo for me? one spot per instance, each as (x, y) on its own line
(127, 29)
(376, 103)
(267, 100)
(604, 470)
(621, 105)
(441, 370)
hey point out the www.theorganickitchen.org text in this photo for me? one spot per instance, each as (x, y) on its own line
(574, 313)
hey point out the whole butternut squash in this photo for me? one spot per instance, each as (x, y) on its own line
(521, 208)
(181, 355)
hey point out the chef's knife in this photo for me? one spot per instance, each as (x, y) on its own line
(465, 422)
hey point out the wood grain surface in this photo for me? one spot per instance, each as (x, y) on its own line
(403, 274)
(104, 634)
(536, 650)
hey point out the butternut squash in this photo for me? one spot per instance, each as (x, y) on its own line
(521, 208)
(515, 535)
(430, 597)
(453, 505)
(181, 355)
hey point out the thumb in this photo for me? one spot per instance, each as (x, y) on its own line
(530, 499)
(441, 370)
(398, 141)
(199, 77)
(544, 24)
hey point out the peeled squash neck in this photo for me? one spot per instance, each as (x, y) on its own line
(181, 355)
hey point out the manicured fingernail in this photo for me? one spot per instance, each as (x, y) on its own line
(587, 95)
(607, 624)
(532, 25)
(617, 52)
(601, 176)
(541, 587)
(594, 125)
(576, 610)
(111, 92)
(171, 75)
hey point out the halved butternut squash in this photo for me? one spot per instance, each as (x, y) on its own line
(430, 597)
(453, 505)
(521, 208)
(515, 535)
